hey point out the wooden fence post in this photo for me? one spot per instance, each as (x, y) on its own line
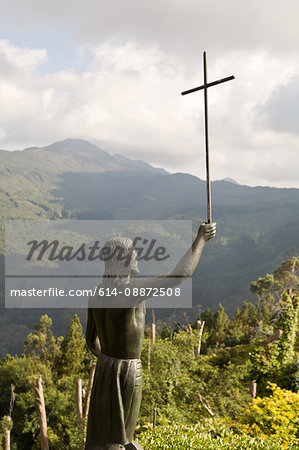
(91, 377)
(6, 428)
(41, 411)
(79, 401)
(154, 418)
(200, 326)
(252, 388)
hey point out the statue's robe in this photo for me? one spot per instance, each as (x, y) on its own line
(115, 402)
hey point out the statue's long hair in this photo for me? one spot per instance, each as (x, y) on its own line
(120, 262)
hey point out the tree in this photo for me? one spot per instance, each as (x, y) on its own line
(241, 325)
(219, 329)
(275, 339)
(286, 325)
(21, 372)
(74, 358)
(286, 277)
(59, 393)
(273, 286)
(207, 317)
(265, 300)
(42, 344)
(165, 332)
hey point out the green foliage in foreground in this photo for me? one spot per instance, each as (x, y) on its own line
(184, 437)
(198, 383)
(277, 415)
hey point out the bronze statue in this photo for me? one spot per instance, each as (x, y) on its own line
(115, 334)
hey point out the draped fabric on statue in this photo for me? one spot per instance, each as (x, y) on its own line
(115, 401)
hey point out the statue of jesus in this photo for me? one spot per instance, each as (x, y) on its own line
(115, 336)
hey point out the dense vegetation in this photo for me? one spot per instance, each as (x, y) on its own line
(196, 376)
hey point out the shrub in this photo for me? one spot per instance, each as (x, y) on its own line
(276, 415)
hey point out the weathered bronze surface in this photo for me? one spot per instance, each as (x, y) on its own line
(115, 336)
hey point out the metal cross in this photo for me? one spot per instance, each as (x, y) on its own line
(205, 86)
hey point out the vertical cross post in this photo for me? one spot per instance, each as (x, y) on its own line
(209, 207)
(205, 87)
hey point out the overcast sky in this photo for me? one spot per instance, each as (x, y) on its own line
(111, 71)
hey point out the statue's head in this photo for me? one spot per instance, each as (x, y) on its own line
(120, 258)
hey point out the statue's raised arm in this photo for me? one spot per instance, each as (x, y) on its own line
(184, 268)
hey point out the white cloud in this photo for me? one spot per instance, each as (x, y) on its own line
(143, 55)
(129, 100)
(21, 59)
(181, 27)
(280, 112)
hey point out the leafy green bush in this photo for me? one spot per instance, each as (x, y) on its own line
(277, 415)
(184, 437)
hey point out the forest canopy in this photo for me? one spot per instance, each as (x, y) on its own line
(219, 382)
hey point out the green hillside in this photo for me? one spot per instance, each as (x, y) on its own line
(257, 227)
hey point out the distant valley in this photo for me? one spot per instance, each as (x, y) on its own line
(257, 227)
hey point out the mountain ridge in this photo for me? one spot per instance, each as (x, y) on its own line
(257, 227)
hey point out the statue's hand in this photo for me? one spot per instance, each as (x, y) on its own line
(207, 231)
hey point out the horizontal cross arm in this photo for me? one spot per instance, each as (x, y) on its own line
(213, 83)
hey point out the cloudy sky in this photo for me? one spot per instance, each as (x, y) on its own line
(111, 71)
